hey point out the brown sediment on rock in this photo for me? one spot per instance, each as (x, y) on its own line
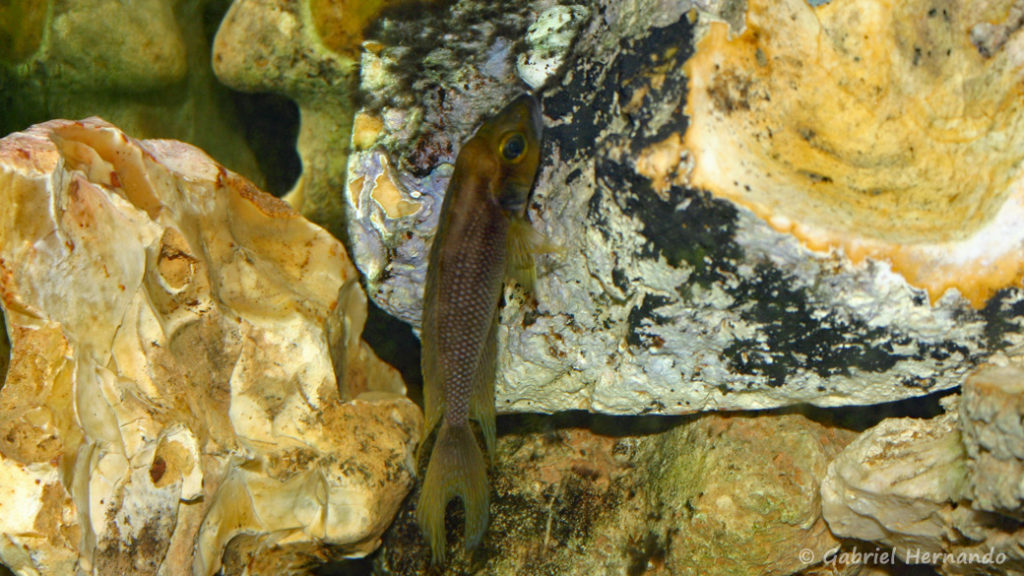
(871, 126)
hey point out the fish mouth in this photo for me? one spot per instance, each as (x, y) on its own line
(514, 203)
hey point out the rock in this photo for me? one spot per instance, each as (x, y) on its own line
(187, 387)
(669, 298)
(730, 513)
(549, 40)
(896, 483)
(308, 52)
(145, 66)
(873, 143)
(672, 496)
(908, 485)
(992, 420)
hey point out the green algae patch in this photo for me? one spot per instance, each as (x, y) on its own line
(731, 503)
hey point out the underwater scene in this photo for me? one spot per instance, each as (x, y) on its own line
(512, 287)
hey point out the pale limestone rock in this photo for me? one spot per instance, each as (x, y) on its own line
(907, 485)
(896, 483)
(186, 367)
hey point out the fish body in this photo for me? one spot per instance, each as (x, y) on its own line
(482, 238)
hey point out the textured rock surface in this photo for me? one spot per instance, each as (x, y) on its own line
(714, 495)
(906, 485)
(187, 384)
(896, 484)
(145, 66)
(667, 299)
(890, 130)
(992, 419)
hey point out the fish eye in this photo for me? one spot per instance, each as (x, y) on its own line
(513, 146)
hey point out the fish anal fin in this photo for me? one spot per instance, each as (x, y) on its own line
(481, 407)
(456, 469)
(433, 380)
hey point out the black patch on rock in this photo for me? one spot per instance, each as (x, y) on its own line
(1003, 314)
(586, 100)
(799, 336)
(644, 314)
(687, 226)
(595, 214)
(683, 225)
(660, 54)
(620, 280)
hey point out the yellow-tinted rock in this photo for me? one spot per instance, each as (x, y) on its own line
(876, 126)
(186, 366)
(366, 128)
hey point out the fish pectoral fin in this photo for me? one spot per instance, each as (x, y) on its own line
(522, 243)
(481, 405)
(456, 469)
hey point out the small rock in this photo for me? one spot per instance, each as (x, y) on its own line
(895, 484)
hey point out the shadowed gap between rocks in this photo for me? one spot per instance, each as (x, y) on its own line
(857, 418)
(5, 352)
(360, 567)
(394, 342)
(270, 125)
(269, 122)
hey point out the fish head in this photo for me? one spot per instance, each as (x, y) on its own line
(511, 141)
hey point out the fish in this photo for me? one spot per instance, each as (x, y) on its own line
(483, 238)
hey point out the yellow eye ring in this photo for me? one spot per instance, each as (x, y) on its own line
(513, 147)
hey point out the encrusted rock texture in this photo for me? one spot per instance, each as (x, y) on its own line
(187, 389)
(690, 280)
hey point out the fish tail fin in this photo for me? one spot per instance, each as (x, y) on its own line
(456, 469)
(522, 243)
